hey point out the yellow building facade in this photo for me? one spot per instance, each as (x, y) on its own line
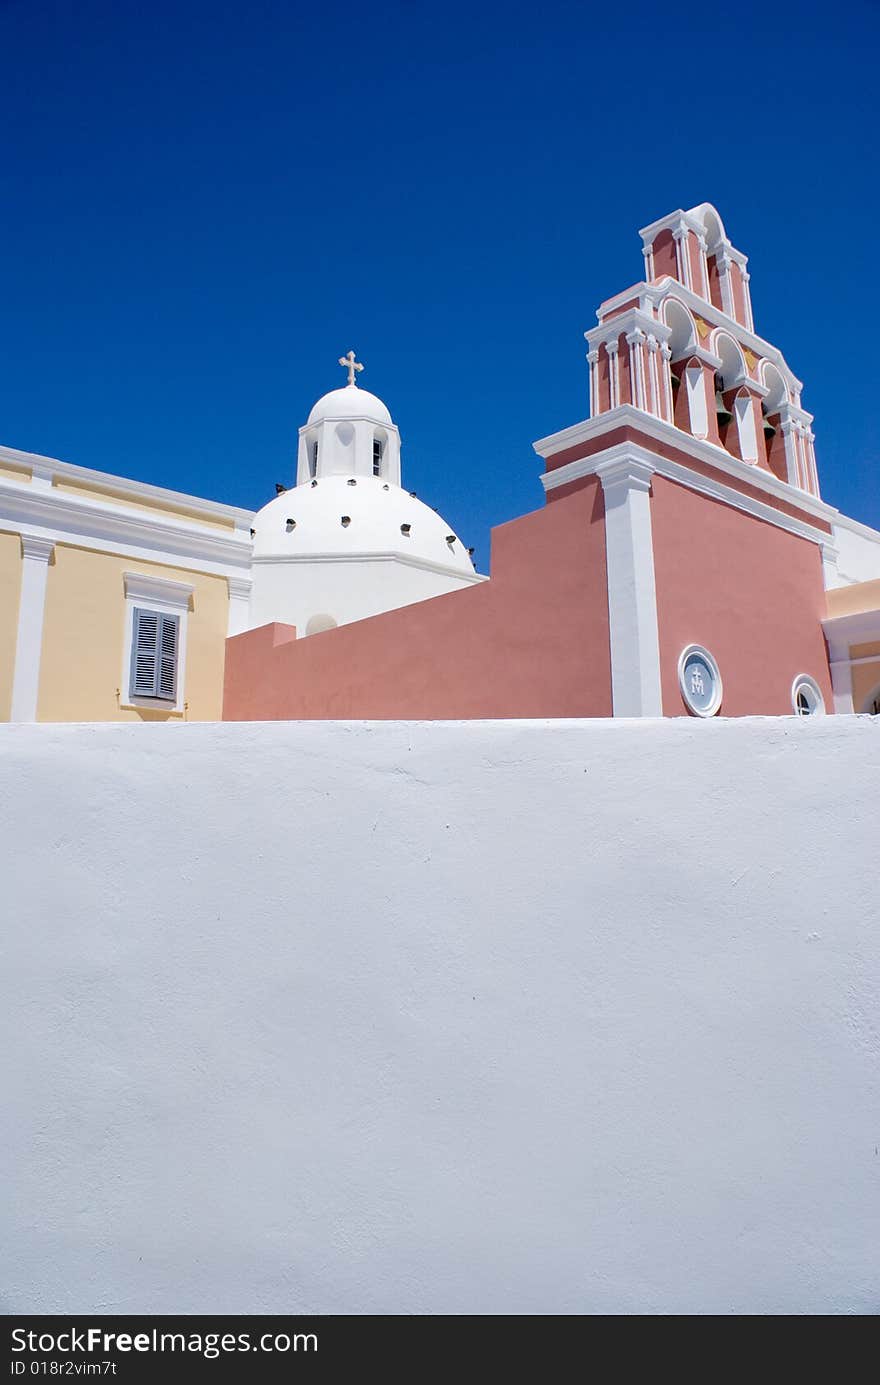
(116, 597)
(852, 631)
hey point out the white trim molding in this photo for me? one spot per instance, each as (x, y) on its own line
(164, 594)
(111, 528)
(656, 429)
(36, 555)
(650, 298)
(632, 597)
(239, 605)
(146, 592)
(47, 469)
(406, 559)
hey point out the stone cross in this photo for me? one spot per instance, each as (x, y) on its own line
(351, 365)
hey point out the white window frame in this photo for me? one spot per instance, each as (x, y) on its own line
(702, 651)
(168, 598)
(811, 687)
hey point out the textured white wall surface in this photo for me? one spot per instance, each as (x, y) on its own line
(858, 554)
(570, 1017)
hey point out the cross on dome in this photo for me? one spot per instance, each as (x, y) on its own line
(351, 366)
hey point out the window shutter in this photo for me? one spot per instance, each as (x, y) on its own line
(154, 649)
(144, 646)
(167, 673)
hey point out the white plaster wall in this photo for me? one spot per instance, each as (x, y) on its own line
(858, 552)
(485, 1018)
(347, 590)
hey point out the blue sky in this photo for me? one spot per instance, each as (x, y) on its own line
(204, 205)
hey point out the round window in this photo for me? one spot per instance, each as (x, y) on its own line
(806, 696)
(700, 681)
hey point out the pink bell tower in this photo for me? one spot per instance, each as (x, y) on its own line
(715, 529)
(682, 346)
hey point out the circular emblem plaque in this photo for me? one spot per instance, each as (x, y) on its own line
(700, 681)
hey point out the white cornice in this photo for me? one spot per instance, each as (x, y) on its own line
(843, 631)
(47, 467)
(709, 452)
(626, 456)
(240, 586)
(632, 319)
(38, 548)
(673, 221)
(348, 418)
(669, 287)
(64, 517)
(701, 354)
(677, 471)
(842, 521)
(625, 472)
(372, 557)
(142, 587)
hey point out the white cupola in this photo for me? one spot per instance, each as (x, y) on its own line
(349, 433)
(347, 542)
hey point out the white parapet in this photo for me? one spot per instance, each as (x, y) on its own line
(518, 1017)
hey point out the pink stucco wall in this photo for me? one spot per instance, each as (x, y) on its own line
(751, 593)
(664, 256)
(532, 642)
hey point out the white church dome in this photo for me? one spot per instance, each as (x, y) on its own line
(357, 516)
(349, 402)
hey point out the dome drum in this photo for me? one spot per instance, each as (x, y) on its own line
(349, 432)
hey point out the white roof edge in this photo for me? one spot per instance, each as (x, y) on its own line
(110, 480)
(842, 521)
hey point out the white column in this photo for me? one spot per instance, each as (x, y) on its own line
(704, 269)
(613, 378)
(632, 598)
(593, 358)
(239, 604)
(811, 461)
(841, 682)
(723, 261)
(830, 574)
(682, 256)
(747, 298)
(648, 252)
(635, 342)
(656, 405)
(29, 641)
(666, 372)
(791, 459)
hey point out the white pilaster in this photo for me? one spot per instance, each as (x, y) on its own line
(723, 261)
(791, 457)
(682, 256)
(635, 340)
(36, 553)
(632, 598)
(656, 405)
(747, 299)
(841, 683)
(830, 573)
(613, 377)
(666, 373)
(593, 358)
(810, 440)
(704, 270)
(239, 605)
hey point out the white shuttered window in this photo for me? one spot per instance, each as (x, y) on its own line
(154, 650)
